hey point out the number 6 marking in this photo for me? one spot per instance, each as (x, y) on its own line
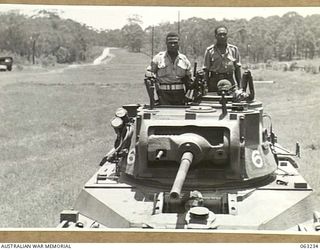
(257, 159)
(131, 157)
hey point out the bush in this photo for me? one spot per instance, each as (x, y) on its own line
(62, 55)
(285, 67)
(48, 61)
(19, 67)
(314, 70)
(311, 68)
(293, 66)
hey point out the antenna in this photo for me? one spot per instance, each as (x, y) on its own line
(179, 22)
(152, 42)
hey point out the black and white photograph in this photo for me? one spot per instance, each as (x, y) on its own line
(197, 119)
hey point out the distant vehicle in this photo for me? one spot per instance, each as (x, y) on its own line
(6, 63)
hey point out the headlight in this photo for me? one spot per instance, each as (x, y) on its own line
(7, 60)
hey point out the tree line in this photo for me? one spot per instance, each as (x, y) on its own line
(259, 39)
(47, 36)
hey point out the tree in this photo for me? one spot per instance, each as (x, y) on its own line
(309, 43)
(295, 30)
(133, 34)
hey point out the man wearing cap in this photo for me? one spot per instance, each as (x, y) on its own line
(221, 61)
(172, 71)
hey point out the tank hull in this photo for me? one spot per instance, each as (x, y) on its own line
(111, 204)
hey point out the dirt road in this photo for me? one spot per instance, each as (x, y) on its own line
(105, 57)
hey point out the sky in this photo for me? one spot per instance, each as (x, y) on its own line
(115, 17)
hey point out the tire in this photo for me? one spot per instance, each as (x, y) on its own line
(9, 68)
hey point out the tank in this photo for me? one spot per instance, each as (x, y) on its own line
(212, 164)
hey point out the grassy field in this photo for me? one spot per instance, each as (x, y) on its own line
(293, 103)
(55, 129)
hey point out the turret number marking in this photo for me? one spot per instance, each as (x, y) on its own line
(257, 159)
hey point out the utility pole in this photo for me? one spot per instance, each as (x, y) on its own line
(248, 52)
(34, 38)
(33, 51)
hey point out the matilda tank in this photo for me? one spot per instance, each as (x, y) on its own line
(213, 163)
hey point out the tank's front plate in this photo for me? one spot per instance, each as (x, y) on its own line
(122, 205)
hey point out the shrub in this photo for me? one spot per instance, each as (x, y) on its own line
(48, 61)
(62, 55)
(311, 68)
(314, 70)
(19, 67)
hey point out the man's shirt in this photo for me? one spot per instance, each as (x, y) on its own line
(216, 62)
(170, 72)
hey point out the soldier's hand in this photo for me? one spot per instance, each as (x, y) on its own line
(240, 95)
(149, 73)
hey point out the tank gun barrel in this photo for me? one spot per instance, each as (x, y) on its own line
(185, 163)
(159, 154)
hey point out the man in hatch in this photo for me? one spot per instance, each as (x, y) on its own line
(221, 61)
(172, 71)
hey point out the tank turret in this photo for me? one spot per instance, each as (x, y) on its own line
(209, 164)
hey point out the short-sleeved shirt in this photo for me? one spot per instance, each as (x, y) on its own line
(216, 62)
(170, 72)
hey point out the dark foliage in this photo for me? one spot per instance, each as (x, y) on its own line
(46, 35)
